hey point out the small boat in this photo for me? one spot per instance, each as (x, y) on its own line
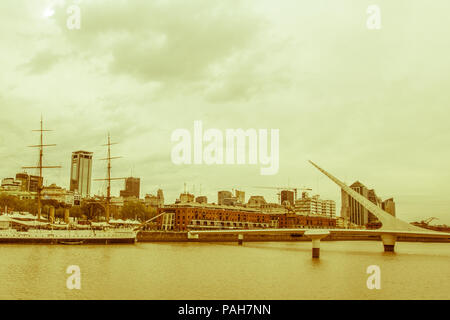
(71, 242)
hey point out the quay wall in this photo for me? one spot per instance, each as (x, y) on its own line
(181, 236)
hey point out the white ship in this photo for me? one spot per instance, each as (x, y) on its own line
(8, 234)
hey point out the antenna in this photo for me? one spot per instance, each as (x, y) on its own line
(41, 165)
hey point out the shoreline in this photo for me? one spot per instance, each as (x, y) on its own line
(160, 236)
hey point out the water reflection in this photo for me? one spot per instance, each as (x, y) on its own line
(226, 271)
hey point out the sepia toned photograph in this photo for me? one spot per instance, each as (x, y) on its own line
(200, 151)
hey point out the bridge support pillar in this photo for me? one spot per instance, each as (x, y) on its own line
(316, 236)
(240, 239)
(316, 248)
(388, 242)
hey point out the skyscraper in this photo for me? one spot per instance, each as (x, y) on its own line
(287, 195)
(388, 205)
(354, 212)
(132, 188)
(81, 172)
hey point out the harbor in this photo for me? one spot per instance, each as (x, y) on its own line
(224, 270)
(364, 216)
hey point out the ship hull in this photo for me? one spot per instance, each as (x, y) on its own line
(68, 237)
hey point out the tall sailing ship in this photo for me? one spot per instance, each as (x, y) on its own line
(37, 231)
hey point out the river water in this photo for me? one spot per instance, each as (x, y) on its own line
(264, 270)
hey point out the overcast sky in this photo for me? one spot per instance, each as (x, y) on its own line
(368, 105)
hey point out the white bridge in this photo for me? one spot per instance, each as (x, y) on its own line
(391, 228)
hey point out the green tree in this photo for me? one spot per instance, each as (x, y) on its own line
(133, 210)
(9, 201)
(76, 212)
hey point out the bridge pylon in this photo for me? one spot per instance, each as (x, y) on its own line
(388, 242)
(316, 236)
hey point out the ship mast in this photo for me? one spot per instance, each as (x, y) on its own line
(108, 178)
(41, 165)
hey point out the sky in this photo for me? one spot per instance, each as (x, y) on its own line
(367, 105)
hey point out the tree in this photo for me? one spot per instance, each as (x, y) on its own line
(133, 210)
(9, 201)
(75, 212)
(93, 210)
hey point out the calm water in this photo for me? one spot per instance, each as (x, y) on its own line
(279, 270)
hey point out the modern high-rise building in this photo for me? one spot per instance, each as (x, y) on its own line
(315, 206)
(329, 208)
(160, 195)
(24, 178)
(28, 182)
(287, 196)
(354, 212)
(132, 188)
(81, 173)
(388, 205)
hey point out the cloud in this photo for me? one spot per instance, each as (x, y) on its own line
(42, 62)
(176, 45)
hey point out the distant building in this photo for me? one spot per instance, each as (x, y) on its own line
(240, 196)
(160, 195)
(315, 206)
(201, 199)
(11, 184)
(329, 208)
(222, 195)
(256, 202)
(132, 188)
(232, 201)
(287, 196)
(81, 173)
(388, 205)
(154, 201)
(25, 182)
(272, 207)
(59, 194)
(186, 197)
(355, 213)
(24, 179)
(34, 183)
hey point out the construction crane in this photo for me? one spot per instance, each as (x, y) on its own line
(284, 188)
(427, 221)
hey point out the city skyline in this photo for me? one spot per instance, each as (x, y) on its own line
(373, 118)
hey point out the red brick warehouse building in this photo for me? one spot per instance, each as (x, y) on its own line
(184, 217)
